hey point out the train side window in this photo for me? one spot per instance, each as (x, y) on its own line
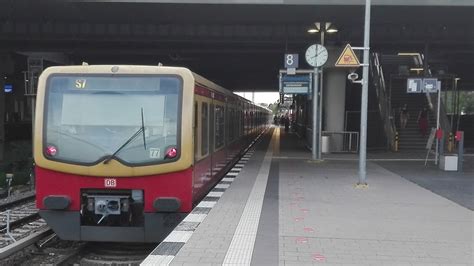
(204, 129)
(232, 125)
(242, 123)
(228, 127)
(219, 123)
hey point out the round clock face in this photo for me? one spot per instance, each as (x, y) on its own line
(316, 55)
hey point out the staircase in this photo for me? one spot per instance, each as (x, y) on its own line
(390, 84)
(410, 137)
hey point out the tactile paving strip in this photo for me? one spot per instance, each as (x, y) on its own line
(165, 252)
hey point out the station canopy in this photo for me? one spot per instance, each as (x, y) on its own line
(237, 44)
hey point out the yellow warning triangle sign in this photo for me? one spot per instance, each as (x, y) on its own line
(348, 58)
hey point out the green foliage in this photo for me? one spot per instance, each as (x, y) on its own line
(19, 178)
(466, 101)
(273, 107)
(18, 160)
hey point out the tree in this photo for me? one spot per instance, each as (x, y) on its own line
(274, 107)
(466, 102)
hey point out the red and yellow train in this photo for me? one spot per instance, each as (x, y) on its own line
(123, 153)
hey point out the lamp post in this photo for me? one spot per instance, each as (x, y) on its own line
(363, 108)
(458, 107)
(318, 90)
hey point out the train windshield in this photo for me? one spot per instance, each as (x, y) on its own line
(88, 118)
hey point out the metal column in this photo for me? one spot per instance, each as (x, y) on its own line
(437, 123)
(315, 142)
(363, 108)
(321, 99)
(2, 108)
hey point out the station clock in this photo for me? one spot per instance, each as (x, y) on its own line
(316, 55)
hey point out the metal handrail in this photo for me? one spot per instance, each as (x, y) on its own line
(444, 123)
(383, 99)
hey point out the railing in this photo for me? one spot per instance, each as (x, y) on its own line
(383, 99)
(432, 99)
(343, 141)
(444, 123)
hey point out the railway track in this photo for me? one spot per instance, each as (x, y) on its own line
(27, 228)
(20, 224)
(16, 200)
(98, 253)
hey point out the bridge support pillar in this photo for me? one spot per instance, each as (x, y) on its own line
(335, 105)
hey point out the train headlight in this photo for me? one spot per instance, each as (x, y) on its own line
(171, 153)
(51, 150)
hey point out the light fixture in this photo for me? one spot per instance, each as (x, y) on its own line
(328, 27)
(409, 54)
(171, 153)
(457, 79)
(416, 69)
(51, 150)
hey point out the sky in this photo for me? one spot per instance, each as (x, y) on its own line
(261, 97)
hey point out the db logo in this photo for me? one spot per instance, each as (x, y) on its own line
(110, 182)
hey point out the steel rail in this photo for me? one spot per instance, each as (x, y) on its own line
(19, 222)
(24, 242)
(15, 202)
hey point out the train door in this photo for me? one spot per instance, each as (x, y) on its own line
(195, 130)
(202, 154)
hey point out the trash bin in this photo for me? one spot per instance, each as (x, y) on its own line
(325, 144)
(448, 162)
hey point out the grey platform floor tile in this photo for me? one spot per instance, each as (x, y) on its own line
(187, 226)
(168, 248)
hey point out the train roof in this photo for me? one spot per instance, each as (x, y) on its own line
(86, 68)
(203, 81)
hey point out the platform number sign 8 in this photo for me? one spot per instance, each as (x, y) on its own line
(291, 61)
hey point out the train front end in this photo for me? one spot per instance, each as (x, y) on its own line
(113, 152)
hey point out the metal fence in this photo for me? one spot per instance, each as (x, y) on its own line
(342, 141)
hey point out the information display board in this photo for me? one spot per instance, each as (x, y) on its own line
(430, 85)
(420, 85)
(295, 84)
(414, 85)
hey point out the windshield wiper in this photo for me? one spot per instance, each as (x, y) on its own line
(143, 130)
(140, 130)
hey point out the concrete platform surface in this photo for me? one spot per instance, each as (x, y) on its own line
(285, 211)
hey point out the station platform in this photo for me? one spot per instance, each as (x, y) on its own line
(277, 207)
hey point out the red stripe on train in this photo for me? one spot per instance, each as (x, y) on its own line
(177, 184)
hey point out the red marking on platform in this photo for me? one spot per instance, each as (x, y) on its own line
(318, 257)
(309, 229)
(297, 219)
(301, 240)
(304, 210)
